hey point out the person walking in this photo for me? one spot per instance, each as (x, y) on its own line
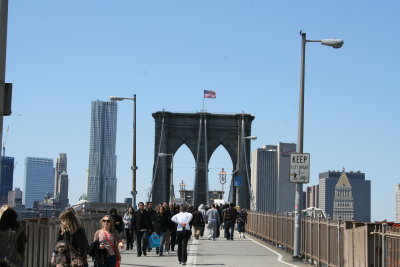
(74, 236)
(212, 220)
(173, 226)
(128, 216)
(197, 223)
(183, 232)
(118, 223)
(241, 222)
(143, 227)
(203, 212)
(109, 240)
(161, 227)
(229, 219)
(167, 241)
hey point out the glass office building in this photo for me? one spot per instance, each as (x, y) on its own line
(39, 179)
(102, 180)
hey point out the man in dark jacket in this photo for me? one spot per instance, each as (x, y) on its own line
(118, 223)
(197, 222)
(141, 223)
(229, 219)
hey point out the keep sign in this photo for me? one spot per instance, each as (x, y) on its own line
(300, 168)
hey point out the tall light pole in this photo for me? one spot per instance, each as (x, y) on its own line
(335, 43)
(133, 167)
(171, 183)
(222, 179)
(5, 89)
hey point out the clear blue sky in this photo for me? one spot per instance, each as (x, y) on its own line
(61, 55)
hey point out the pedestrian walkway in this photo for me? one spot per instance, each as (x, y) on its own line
(239, 252)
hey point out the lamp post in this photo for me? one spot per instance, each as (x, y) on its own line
(182, 186)
(133, 167)
(222, 179)
(171, 184)
(335, 43)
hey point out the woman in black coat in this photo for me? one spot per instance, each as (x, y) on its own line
(74, 236)
(161, 227)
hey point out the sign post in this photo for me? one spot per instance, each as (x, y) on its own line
(300, 168)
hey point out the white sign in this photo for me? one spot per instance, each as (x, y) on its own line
(300, 168)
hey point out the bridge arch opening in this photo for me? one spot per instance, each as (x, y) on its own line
(184, 169)
(220, 159)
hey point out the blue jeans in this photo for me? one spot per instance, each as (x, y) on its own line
(229, 229)
(142, 235)
(160, 249)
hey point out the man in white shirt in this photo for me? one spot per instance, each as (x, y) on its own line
(183, 232)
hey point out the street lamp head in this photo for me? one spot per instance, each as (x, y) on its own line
(116, 98)
(250, 137)
(335, 43)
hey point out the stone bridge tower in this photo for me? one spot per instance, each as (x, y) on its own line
(202, 133)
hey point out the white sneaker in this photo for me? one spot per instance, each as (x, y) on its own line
(209, 237)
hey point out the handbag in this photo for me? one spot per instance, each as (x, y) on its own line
(154, 240)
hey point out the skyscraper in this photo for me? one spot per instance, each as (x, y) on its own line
(361, 193)
(6, 178)
(102, 180)
(312, 197)
(39, 179)
(398, 203)
(343, 200)
(61, 181)
(270, 178)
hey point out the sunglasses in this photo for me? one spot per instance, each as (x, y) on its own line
(106, 221)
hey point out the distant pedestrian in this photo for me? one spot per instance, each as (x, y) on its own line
(212, 220)
(203, 212)
(128, 216)
(241, 222)
(183, 232)
(143, 228)
(173, 211)
(161, 227)
(197, 223)
(118, 223)
(229, 219)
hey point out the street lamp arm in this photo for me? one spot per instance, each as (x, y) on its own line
(118, 98)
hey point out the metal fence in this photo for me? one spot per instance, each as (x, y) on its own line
(330, 242)
(41, 237)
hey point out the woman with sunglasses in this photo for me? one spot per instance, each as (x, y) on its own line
(108, 239)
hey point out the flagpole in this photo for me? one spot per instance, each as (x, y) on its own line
(203, 101)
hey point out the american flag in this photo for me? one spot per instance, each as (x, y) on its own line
(210, 94)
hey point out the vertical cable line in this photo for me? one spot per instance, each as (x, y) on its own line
(205, 153)
(158, 157)
(197, 160)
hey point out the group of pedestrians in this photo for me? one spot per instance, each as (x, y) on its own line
(173, 224)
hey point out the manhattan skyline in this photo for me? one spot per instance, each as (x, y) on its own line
(62, 55)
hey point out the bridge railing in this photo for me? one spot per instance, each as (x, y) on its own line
(330, 242)
(41, 236)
